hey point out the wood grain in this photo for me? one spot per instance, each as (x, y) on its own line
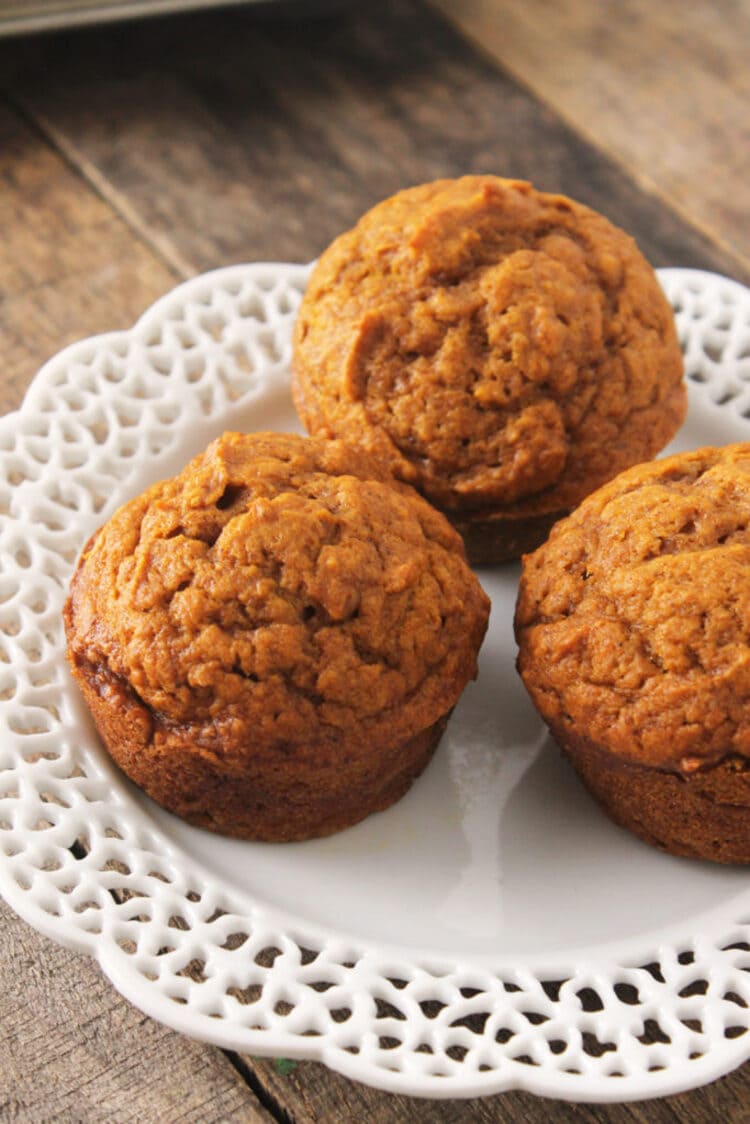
(663, 88)
(275, 135)
(69, 266)
(133, 156)
(72, 1050)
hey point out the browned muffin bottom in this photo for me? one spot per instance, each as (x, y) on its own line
(703, 817)
(505, 350)
(633, 624)
(271, 642)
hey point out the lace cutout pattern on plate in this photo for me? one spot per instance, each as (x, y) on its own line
(83, 865)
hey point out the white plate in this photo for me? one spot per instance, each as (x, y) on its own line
(493, 930)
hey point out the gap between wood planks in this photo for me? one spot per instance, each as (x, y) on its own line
(249, 1076)
(104, 189)
(254, 1083)
(181, 269)
(481, 22)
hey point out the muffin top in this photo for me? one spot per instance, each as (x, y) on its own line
(498, 346)
(633, 619)
(280, 590)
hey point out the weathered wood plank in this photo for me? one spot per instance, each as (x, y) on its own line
(70, 266)
(72, 1050)
(664, 88)
(186, 144)
(275, 135)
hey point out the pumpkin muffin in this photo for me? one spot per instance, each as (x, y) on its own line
(271, 642)
(504, 350)
(633, 624)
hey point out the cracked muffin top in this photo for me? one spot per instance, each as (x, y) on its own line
(498, 346)
(633, 620)
(280, 588)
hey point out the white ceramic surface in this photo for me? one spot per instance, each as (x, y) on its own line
(492, 930)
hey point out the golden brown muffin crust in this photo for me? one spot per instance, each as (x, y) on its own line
(633, 620)
(283, 601)
(701, 815)
(500, 347)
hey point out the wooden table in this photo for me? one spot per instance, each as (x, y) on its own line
(134, 156)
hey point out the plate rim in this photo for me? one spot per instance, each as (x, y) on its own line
(153, 1002)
